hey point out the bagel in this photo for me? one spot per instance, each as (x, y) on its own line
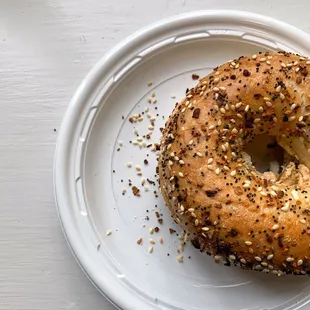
(230, 210)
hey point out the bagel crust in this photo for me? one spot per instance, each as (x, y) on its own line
(254, 220)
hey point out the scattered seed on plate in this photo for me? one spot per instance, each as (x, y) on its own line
(139, 241)
(109, 232)
(129, 164)
(151, 249)
(180, 258)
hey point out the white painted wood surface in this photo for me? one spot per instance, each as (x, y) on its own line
(46, 48)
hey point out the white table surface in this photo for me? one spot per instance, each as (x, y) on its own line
(46, 48)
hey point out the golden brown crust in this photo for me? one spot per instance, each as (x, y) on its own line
(229, 209)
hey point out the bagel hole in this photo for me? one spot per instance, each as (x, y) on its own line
(265, 154)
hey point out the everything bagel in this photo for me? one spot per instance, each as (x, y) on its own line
(258, 221)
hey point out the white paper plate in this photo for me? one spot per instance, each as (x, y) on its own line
(89, 195)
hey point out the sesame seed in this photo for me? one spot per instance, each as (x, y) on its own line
(181, 174)
(151, 249)
(180, 258)
(199, 154)
(286, 207)
(109, 232)
(269, 57)
(234, 130)
(150, 127)
(191, 210)
(226, 168)
(138, 168)
(216, 89)
(302, 221)
(139, 241)
(238, 105)
(223, 147)
(275, 227)
(261, 109)
(300, 262)
(246, 185)
(269, 257)
(268, 62)
(295, 194)
(210, 160)
(233, 154)
(246, 109)
(292, 118)
(297, 69)
(233, 173)
(283, 64)
(243, 261)
(196, 222)
(262, 59)
(282, 97)
(161, 240)
(129, 164)
(266, 98)
(222, 110)
(293, 107)
(181, 162)
(216, 80)
(191, 142)
(193, 215)
(151, 241)
(254, 56)
(211, 127)
(256, 120)
(170, 163)
(217, 257)
(248, 243)
(151, 230)
(264, 264)
(217, 171)
(232, 257)
(269, 104)
(290, 259)
(273, 193)
(222, 88)
(239, 115)
(263, 193)
(278, 89)
(258, 258)
(205, 228)
(210, 167)
(217, 73)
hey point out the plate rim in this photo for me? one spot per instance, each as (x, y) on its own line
(68, 124)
